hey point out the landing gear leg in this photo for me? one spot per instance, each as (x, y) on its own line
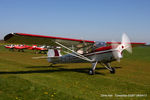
(92, 71)
(22, 50)
(111, 69)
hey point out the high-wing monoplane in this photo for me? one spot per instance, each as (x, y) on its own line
(17, 47)
(39, 49)
(10, 47)
(77, 50)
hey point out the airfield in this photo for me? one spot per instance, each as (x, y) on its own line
(24, 78)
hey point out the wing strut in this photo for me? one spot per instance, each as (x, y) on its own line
(76, 54)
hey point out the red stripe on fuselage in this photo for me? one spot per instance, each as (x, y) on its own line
(100, 50)
(103, 48)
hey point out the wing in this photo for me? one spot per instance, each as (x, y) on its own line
(23, 38)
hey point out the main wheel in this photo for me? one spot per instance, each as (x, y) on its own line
(91, 72)
(112, 71)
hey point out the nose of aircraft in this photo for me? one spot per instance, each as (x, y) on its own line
(125, 45)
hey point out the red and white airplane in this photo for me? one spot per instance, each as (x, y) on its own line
(10, 47)
(17, 47)
(38, 48)
(77, 50)
(33, 47)
(21, 47)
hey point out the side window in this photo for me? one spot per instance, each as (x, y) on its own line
(100, 44)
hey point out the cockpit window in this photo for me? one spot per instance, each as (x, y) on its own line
(100, 44)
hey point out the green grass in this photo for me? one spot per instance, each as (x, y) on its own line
(22, 78)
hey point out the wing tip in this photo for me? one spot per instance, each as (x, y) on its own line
(8, 36)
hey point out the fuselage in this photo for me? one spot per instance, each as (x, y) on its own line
(102, 54)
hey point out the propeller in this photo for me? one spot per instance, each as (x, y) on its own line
(126, 43)
(118, 48)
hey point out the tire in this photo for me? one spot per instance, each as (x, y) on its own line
(112, 71)
(91, 72)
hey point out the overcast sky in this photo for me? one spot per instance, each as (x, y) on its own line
(102, 20)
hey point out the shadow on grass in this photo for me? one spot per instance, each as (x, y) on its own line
(51, 70)
(51, 66)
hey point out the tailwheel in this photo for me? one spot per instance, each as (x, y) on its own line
(112, 71)
(91, 72)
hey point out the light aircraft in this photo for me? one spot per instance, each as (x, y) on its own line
(21, 47)
(10, 47)
(32, 47)
(41, 49)
(17, 47)
(78, 50)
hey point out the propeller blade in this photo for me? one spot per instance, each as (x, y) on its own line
(115, 52)
(126, 43)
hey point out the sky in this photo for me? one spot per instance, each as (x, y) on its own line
(99, 20)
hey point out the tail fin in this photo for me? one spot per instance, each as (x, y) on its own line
(53, 53)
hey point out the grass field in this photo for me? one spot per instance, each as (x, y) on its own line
(23, 78)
